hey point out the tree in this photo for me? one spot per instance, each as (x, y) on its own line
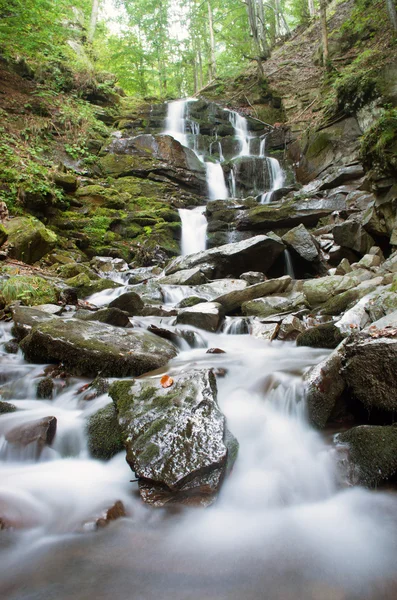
(93, 20)
(391, 9)
(324, 32)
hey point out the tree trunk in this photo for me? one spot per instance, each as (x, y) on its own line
(93, 20)
(312, 10)
(391, 9)
(212, 42)
(324, 32)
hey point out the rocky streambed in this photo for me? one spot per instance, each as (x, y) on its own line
(214, 428)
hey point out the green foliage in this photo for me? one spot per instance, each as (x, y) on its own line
(29, 290)
(379, 144)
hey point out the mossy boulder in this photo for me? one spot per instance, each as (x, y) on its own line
(29, 289)
(88, 348)
(372, 453)
(85, 286)
(130, 302)
(175, 435)
(104, 433)
(69, 270)
(325, 335)
(111, 316)
(29, 240)
(7, 407)
(67, 181)
(26, 317)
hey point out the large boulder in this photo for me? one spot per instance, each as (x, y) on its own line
(129, 302)
(26, 317)
(34, 434)
(351, 234)
(372, 454)
(88, 348)
(206, 315)
(370, 370)
(272, 305)
(176, 437)
(28, 239)
(324, 388)
(235, 299)
(324, 335)
(156, 156)
(256, 254)
(303, 243)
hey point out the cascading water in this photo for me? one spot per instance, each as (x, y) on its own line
(194, 230)
(240, 127)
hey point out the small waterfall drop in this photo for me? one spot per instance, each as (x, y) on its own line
(240, 126)
(194, 230)
(289, 267)
(217, 189)
(277, 178)
(175, 123)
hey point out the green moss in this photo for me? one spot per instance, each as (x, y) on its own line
(379, 145)
(320, 142)
(120, 392)
(104, 434)
(29, 290)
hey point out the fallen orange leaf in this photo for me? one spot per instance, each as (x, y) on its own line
(166, 381)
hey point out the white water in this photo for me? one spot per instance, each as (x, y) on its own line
(175, 123)
(194, 230)
(289, 267)
(281, 520)
(240, 126)
(217, 189)
(277, 179)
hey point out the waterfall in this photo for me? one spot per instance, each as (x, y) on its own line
(194, 230)
(240, 126)
(175, 123)
(217, 189)
(232, 183)
(289, 267)
(277, 178)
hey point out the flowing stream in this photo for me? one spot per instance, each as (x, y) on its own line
(285, 527)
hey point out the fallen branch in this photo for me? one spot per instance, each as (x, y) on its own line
(204, 88)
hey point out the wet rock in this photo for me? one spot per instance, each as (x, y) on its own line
(28, 239)
(344, 301)
(88, 348)
(176, 437)
(45, 388)
(372, 454)
(324, 388)
(25, 317)
(252, 277)
(264, 331)
(41, 432)
(290, 328)
(272, 305)
(369, 369)
(117, 511)
(104, 433)
(107, 264)
(190, 301)
(185, 277)
(325, 335)
(130, 302)
(257, 254)
(164, 333)
(207, 315)
(7, 407)
(142, 274)
(215, 351)
(288, 213)
(158, 311)
(11, 347)
(51, 309)
(235, 299)
(85, 286)
(111, 316)
(303, 243)
(149, 291)
(351, 234)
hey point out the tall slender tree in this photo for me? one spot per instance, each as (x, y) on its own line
(93, 20)
(391, 9)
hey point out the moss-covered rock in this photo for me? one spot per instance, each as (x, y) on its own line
(69, 270)
(3, 234)
(111, 316)
(104, 433)
(89, 348)
(29, 289)
(325, 335)
(372, 453)
(85, 286)
(29, 240)
(175, 435)
(7, 407)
